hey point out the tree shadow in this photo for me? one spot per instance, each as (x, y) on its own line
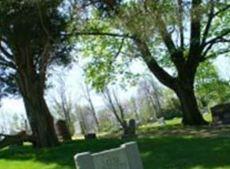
(61, 155)
(159, 152)
(179, 130)
(185, 153)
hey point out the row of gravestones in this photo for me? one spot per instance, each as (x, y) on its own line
(64, 134)
(220, 115)
(125, 157)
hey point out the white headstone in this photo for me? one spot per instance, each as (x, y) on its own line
(125, 157)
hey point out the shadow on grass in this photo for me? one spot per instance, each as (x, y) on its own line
(179, 130)
(157, 153)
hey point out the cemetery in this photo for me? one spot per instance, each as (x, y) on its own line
(114, 84)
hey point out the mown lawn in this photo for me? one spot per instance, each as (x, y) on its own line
(162, 147)
(157, 153)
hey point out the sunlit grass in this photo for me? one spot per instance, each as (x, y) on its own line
(29, 164)
(159, 153)
(174, 122)
(162, 147)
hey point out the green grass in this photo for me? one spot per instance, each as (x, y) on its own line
(162, 147)
(159, 153)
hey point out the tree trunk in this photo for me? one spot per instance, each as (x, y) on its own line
(40, 119)
(41, 122)
(191, 113)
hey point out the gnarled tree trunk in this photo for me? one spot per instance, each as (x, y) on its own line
(40, 119)
(41, 122)
(191, 114)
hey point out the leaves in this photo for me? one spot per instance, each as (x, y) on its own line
(34, 34)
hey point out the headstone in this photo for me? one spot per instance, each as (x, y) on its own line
(221, 114)
(130, 131)
(132, 127)
(62, 130)
(125, 157)
(161, 121)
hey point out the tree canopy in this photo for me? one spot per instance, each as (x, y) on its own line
(179, 34)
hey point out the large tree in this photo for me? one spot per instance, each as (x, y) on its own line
(181, 33)
(31, 39)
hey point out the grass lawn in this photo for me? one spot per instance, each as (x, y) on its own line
(168, 147)
(157, 153)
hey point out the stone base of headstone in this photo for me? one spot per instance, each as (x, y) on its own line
(221, 114)
(90, 136)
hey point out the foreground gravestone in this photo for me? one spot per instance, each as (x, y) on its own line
(221, 114)
(125, 157)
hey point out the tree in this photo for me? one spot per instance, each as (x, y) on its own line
(151, 94)
(31, 39)
(113, 103)
(63, 105)
(87, 96)
(183, 33)
(86, 120)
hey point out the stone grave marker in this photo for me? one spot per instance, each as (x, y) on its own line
(130, 132)
(125, 157)
(221, 114)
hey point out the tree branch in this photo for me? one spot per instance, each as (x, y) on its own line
(194, 50)
(222, 10)
(219, 38)
(152, 64)
(210, 19)
(209, 47)
(104, 34)
(180, 18)
(216, 54)
(175, 54)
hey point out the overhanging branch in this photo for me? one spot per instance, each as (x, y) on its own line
(154, 67)
(219, 38)
(208, 25)
(103, 34)
(227, 7)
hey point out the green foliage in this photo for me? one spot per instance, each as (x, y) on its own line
(32, 32)
(141, 19)
(106, 61)
(209, 87)
(171, 107)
